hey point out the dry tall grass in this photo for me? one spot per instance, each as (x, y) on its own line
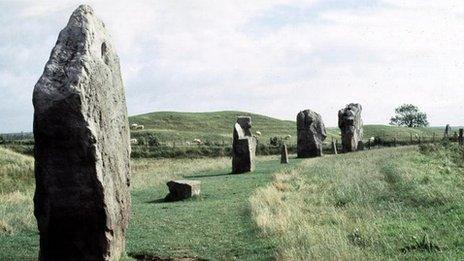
(16, 178)
(365, 205)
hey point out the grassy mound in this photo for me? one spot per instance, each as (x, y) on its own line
(216, 127)
(380, 204)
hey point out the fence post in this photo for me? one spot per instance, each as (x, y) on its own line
(394, 142)
(369, 144)
(334, 147)
(410, 138)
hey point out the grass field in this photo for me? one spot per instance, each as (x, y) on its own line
(378, 204)
(217, 127)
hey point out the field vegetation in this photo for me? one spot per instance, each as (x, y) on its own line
(388, 203)
(396, 203)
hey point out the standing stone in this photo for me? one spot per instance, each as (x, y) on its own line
(351, 126)
(284, 154)
(461, 137)
(243, 147)
(447, 131)
(311, 133)
(82, 146)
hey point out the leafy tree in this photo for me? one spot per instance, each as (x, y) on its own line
(409, 115)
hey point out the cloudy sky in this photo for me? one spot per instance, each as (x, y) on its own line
(268, 57)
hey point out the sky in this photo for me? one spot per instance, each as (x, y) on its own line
(268, 57)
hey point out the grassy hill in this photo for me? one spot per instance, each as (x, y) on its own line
(217, 127)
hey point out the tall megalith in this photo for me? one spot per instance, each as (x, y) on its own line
(243, 147)
(311, 133)
(351, 126)
(82, 150)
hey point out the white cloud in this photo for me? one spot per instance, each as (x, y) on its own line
(215, 55)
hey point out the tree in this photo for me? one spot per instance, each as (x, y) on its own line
(409, 115)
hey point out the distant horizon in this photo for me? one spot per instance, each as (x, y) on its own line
(248, 112)
(268, 57)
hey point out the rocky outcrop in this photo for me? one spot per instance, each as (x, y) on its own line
(243, 147)
(82, 149)
(351, 126)
(311, 133)
(182, 189)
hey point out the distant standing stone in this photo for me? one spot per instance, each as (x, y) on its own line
(243, 147)
(447, 131)
(351, 126)
(311, 133)
(284, 154)
(182, 189)
(82, 146)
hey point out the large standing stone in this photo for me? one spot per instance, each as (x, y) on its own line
(311, 133)
(244, 146)
(351, 126)
(81, 131)
(182, 189)
(284, 154)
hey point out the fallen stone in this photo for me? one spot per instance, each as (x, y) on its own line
(284, 154)
(311, 133)
(182, 189)
(82, 146)
(351, 126)
(243, 147)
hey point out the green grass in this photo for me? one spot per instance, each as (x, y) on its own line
(392, 203)
(215, 226)
(217, 127)
(395, 203)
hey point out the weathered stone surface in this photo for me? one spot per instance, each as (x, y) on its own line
(284, 154)
(351, 126)
(243, 147)
(311, 133)
(82, 149)
(182, 189)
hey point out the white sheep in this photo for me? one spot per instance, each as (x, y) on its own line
(198, 141)
(258, 133)
(134, 141)
(288, 137)
(134, 126)
(371, 139)
(140, 127)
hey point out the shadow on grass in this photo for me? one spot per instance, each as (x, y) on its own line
(147, 257)
(158, 201)
(207, 176)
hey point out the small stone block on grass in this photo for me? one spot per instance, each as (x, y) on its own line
(182, 189)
